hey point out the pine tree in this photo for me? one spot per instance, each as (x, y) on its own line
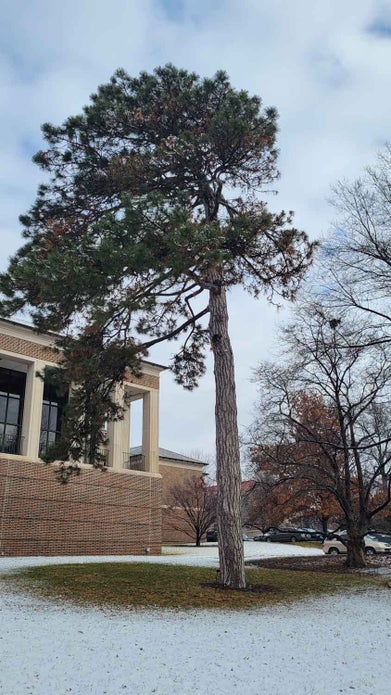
(151, 208)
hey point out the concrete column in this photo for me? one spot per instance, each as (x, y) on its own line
(32, 410)
(119, 434)
(151, 430)
(126, 431)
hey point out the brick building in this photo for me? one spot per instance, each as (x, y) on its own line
(118, 511)
(173, 468)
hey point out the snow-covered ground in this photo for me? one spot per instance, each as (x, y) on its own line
(317, 647)
(205, 556)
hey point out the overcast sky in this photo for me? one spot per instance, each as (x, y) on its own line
(324, 65)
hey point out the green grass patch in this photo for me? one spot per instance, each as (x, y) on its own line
(127, 585)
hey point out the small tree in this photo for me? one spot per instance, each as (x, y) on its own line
(149, 218)
(192, 507)
(318, 426)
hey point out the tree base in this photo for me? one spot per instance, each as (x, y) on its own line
(356, 556)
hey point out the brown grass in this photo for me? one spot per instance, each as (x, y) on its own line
(125, 585)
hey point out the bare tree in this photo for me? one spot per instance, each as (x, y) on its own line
(323, 418)
(359, 252)
(192, 507)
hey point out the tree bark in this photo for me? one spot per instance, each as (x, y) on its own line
(355, 552)
(228, 472)
(325, 524)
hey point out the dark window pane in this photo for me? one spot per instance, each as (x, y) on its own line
(3, 407)
(51, 437)
(52, 409)
(13, 411)
(52, 393)
(11, 439)
(11, 431)
(45, 416)
(12, 381)
(53, 417)
(12, 384)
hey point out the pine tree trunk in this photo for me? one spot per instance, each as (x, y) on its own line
(228, 473)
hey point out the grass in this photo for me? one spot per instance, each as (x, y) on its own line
(125, 585)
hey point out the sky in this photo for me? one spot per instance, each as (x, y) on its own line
(324, 65)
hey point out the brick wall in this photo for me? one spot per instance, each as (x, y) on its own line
(37, 351)
(147, 380)
(93, 514)
(28, 348)
(171, 475)
(172, 535)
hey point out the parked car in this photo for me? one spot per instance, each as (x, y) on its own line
(211, 536)
(313, 534)
(374, 543)
(382, 537)
(283, 535)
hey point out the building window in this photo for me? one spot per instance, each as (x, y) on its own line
(12, 387)
(52, 410)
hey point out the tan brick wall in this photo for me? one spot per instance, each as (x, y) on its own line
(146, 380)
(28, 348)
(172, 535)
(93, 514)
(37, 351)
(171, 475)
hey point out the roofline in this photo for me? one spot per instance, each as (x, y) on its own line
(32, 328)
(29, 326)
(162, 367)
(183, 458)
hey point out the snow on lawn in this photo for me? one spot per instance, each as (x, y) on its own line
(317, 647)
(205, 556)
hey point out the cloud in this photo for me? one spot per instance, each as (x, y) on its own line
(324, 65)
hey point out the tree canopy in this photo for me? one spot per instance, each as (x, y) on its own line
(137, 208)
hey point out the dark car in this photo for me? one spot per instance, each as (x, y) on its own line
(211, 536)
(313, 534)
(283, 535)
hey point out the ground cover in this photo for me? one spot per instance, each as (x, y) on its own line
(326, 563)
(123, 585)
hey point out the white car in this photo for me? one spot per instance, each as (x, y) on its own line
(373, 544)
